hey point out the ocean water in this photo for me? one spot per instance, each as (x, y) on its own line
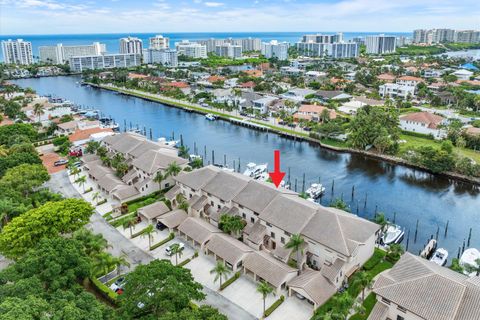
(112, 39)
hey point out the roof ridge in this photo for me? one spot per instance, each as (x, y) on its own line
(341, 231)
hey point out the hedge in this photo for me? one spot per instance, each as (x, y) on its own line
(230, 281)
(120, 221)
(139, 233)
(274, 306)
(161, 243)
(418, 135)
(368, 304)
(104, 290)
(184, 262)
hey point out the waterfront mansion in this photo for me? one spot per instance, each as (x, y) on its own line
(336, 243)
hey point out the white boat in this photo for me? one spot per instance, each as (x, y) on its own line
(170, 143)
(440, 256)
(469, 257)
(210, 117)
(285, 185)
(315, 190)
(256, 171)
(194, 157)
(394, 234)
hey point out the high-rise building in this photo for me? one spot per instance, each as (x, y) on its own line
(323, 38)
(420, 36)
(166, 57)
(229, 50)
(159, 42)
(191, 49)
(443, 35)
(275, 49)
(17, 51)
(380, 44)
(60, 54)
(338, 50)
(250, 44)
(467, 36)
(131, 45)
(104, 61)
(402, 41)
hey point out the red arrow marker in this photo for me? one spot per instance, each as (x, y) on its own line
(276, 175)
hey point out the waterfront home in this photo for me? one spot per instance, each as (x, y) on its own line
(418, 289)
(261, 105)
(336, 243)
(463, 74)
(182, 86)
(351, 107)
(314, 113)
(81, 137)
(423, 122)
(69, 127)
(327, 95)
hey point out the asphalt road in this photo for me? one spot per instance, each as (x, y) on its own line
(120, 245)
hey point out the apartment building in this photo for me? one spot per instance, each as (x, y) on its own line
(467, 36)
(247, 44)
(323, 38)
(61, 54)
(418, 289)
(159, 42)
(17, 52)
(166, 57)
(229, 51)
(191, 49)
(380, 44)
(445, 35)
(131, 45)
(327, 46)
(336, 243)
(275, 49)
(104, 61)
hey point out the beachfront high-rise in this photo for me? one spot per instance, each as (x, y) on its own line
(131, 45)
(159, 42)
(275, 49)
(380, 44)
(17, 51)
(323, 38)
(166, 57)
(229, 51)
(445, 35)
(61, 54)
(191, 49)
(104, 61)
(331, 45)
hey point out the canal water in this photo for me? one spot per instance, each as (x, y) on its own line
(404, 193)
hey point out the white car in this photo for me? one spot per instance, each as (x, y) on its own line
(168, 250)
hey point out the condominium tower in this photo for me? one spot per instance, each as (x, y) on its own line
(159, 42)
(380, 44)
(17, 51)
(61, 54)
(131, 45)
(275, 49)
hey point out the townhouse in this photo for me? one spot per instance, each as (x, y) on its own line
(418, 289)
(336, 243)
(423, 122)
(144, 159)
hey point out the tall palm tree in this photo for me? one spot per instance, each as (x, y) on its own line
(159, 177)
(177, 250)
(148, 232)
(75, 171)
(364, 280)
(129, 222)
(92, 243)
(82, 181)
(96, 196)
(38, 110)
(173, 169)
(296, 243)
(264, 289)
(102, 264)
(220, 271)
(121, 261)
(184, 152)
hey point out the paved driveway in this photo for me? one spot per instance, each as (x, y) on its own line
(293, 308)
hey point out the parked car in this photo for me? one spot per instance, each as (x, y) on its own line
(60, 162)
(118, 285)
(168, 250)
(160, 226)
(76, 152)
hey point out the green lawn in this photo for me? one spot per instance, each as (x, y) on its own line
(368, 304)
(418, 142)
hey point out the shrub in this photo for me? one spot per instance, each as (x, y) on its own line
(418, 135)
(121, 221)
(184, 262)
(102, 202)
(161, 243)
(88, 190)
(230, 281)
(378, 256)
(139, 233)
(274, 306)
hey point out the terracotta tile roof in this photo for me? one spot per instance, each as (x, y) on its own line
(254, 73)
(178, 84)
(386, 77)
(248, 84)
(430, 119)
(410, 78)
(79, 135)
(137, 76)
(213, 79)
(473, 131)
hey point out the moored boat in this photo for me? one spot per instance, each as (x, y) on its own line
(440, 257)
(210, 117)
(469, 257)
(315, 190)
(394, 234)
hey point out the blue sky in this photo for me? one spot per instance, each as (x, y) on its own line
(110, 16)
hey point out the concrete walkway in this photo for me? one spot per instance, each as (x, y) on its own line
(59, 182)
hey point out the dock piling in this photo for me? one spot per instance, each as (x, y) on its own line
(416, 233)
(469, 237)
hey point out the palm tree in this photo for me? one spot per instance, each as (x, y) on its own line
(121, 261)
(177, 250)
(364, 280)
(102, 264)
(38, 110)
(183, 205)
(394, 251)
(96, 196)
(75, 171)
(296, 243)
(81, 182)
(148, 232)
(264, 289)
(173, 169)
(470, 268)
(92, 243)
(129, 222)
(220, 271)
(197, 163)
(159, 177)
(184, 152)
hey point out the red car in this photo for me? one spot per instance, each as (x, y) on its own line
(75, 153)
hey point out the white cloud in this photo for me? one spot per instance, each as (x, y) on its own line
(214, 4)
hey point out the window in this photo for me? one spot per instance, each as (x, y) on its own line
(287, 233)
(272, 234)
(244, 215)
(252, 220)
(400, 308)
(269, 224)
(400, 318)
(282, 240)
